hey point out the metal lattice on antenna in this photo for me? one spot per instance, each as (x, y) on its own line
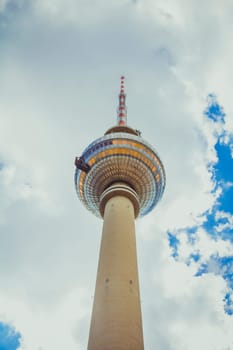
(122, 111)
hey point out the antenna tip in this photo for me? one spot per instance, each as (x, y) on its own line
(122, 83)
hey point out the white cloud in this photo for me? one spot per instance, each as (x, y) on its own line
(204, 245)
(180, 311)
(59, 66)
(226, 216)
(51, 327)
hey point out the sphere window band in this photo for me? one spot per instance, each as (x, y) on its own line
(125, 142)
(127, 151)
(134, 155)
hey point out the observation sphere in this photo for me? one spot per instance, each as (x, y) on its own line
(121, 155)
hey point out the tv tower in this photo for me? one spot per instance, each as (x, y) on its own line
(118, 177)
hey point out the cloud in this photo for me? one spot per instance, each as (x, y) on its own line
(215, 255)
(59, 65)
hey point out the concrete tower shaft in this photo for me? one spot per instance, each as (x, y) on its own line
(116, 318)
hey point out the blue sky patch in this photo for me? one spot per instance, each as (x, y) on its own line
(195, 257)
(9, 338)
(223, 175)
(214, 111)
(228, 301)
(173, 243)
(218, 220)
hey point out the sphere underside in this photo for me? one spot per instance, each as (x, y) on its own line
(120, 157)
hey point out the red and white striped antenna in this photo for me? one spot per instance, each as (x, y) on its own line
(122, 111)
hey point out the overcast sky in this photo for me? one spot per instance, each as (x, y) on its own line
(60, 64)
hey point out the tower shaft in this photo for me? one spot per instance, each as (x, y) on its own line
(116, 317)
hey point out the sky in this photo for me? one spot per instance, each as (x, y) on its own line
(60, 68)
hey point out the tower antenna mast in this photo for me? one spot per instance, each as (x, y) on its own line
(122, 110)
